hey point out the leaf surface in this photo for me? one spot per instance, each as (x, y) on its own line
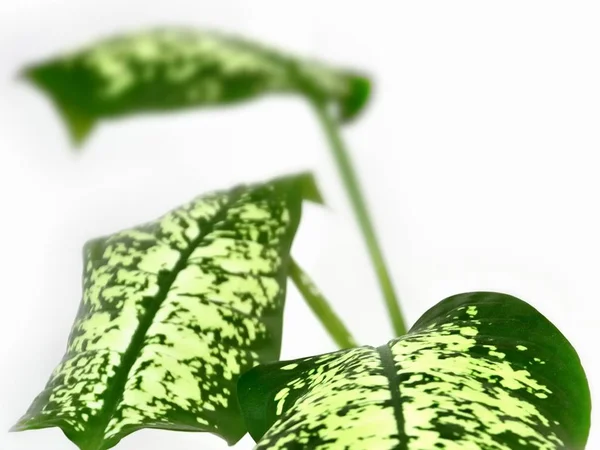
(168, 69)
(478, 371)
(172, 313)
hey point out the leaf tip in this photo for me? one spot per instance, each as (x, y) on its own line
(47, 79)
(302, 183)
(310, 188)
(79, 126)
(359, 94)
(23, 424)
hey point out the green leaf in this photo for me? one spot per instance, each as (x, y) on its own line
(173, 312)
(478, 371)
(167, 69)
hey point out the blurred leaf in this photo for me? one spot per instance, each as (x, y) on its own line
(173, 312)
(478, 371)
(168, 69)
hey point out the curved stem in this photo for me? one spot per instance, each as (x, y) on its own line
(351, 183)
(319, 305)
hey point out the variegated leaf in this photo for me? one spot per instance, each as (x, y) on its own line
(479, 371)
(173, 312)
(168, 69)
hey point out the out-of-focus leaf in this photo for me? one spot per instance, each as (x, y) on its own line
(170, 69)
(478, 371)
(173, 312)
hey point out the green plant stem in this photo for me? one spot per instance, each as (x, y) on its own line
(319, 305)
(351, 183)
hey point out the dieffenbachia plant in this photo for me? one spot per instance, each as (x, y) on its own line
(178, 313)
(478, 371)
(171, 69)
(172, 313)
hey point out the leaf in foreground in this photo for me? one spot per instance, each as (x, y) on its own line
(478, 371)
(173, 312)
(167, 69)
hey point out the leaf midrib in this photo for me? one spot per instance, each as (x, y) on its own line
(391, 373)
(130, 356)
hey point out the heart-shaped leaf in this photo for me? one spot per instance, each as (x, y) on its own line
(169, 69)
(478, 371)
(173, 312)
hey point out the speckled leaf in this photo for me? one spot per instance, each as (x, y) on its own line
(479, 371)
(168, 69)
(173, 312)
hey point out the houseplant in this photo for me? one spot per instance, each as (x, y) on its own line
(467, 343)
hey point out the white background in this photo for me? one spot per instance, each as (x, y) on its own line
(478, 155)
